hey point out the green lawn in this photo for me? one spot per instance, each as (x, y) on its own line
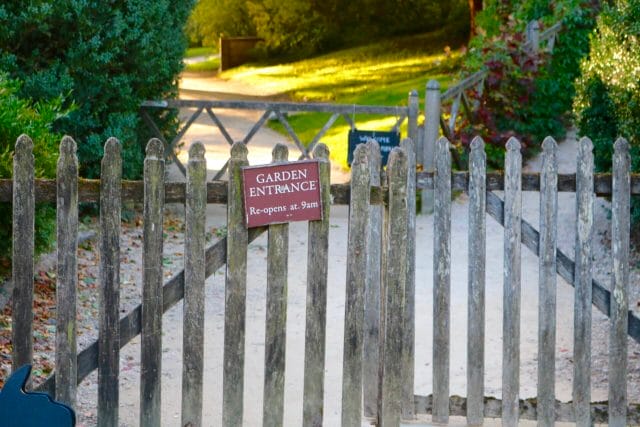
(193, 52)
(211, 64)
(382, 73)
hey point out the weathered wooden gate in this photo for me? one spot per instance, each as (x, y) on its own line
(378, 356)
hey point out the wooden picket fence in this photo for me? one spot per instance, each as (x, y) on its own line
(379, 323)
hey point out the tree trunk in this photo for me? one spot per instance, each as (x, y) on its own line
(475, 6)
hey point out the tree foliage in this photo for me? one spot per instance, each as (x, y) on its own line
(528, 95)
(106, 56)
(18, 116)
(607, 104)
(303, 27)
(211, 18)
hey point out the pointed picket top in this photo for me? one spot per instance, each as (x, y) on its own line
(112, 150)
(155, 149)
(549, 162)
(321, 151)
(513, 144)
(239, 150)
(549, 144)
(621, 146)
(585, 144)
(360, 155)
(407, 144)
(433, 85)
(374, 149)
(477, 144)
(67, 146)
(280, 153)
(397, 163)
(24, 144)
(196, 151)
(443, 143)
(477, 156)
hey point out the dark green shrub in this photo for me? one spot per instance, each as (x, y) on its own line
(103, 55)
(300, 28)
(607, 104)
(18, 116)
(528, 95)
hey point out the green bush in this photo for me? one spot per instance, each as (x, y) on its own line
(300, 28)
(607, 104)
(18, 116)
(528, 95)
(104, 56)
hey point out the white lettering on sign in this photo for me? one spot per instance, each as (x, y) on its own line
(280, 176)
(274, 189)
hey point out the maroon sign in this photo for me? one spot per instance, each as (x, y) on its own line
(279, 193)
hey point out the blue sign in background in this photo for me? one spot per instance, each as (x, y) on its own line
(386, 141)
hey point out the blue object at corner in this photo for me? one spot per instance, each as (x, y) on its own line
(19, 408)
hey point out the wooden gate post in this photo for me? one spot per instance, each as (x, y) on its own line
(22, 265)
(316, 318)
(67, 277)
(431, 132)
(356, 278)
(412, 117)
(390, 403)
(532, 35)
(109, 336)
(235, 292)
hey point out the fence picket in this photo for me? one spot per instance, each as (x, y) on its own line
(235, 292)
(441, 281)
(276, 317)
(408, 330)
(194, 295)
(390, 409)
(511, 296)
(109, 335)
(620, 223)
(151, 336)
(547, 284)
(476, 283)
(67, 277)
(582, 283)
(356, 277)
(371, 358)
(317, 269)
(22, 260)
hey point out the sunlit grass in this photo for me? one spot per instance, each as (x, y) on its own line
(378, 74)
(193, 52)
(212, 64)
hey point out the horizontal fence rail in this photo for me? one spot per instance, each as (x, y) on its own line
(132, 191)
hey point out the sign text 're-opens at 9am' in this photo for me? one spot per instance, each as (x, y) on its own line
(282, 193)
